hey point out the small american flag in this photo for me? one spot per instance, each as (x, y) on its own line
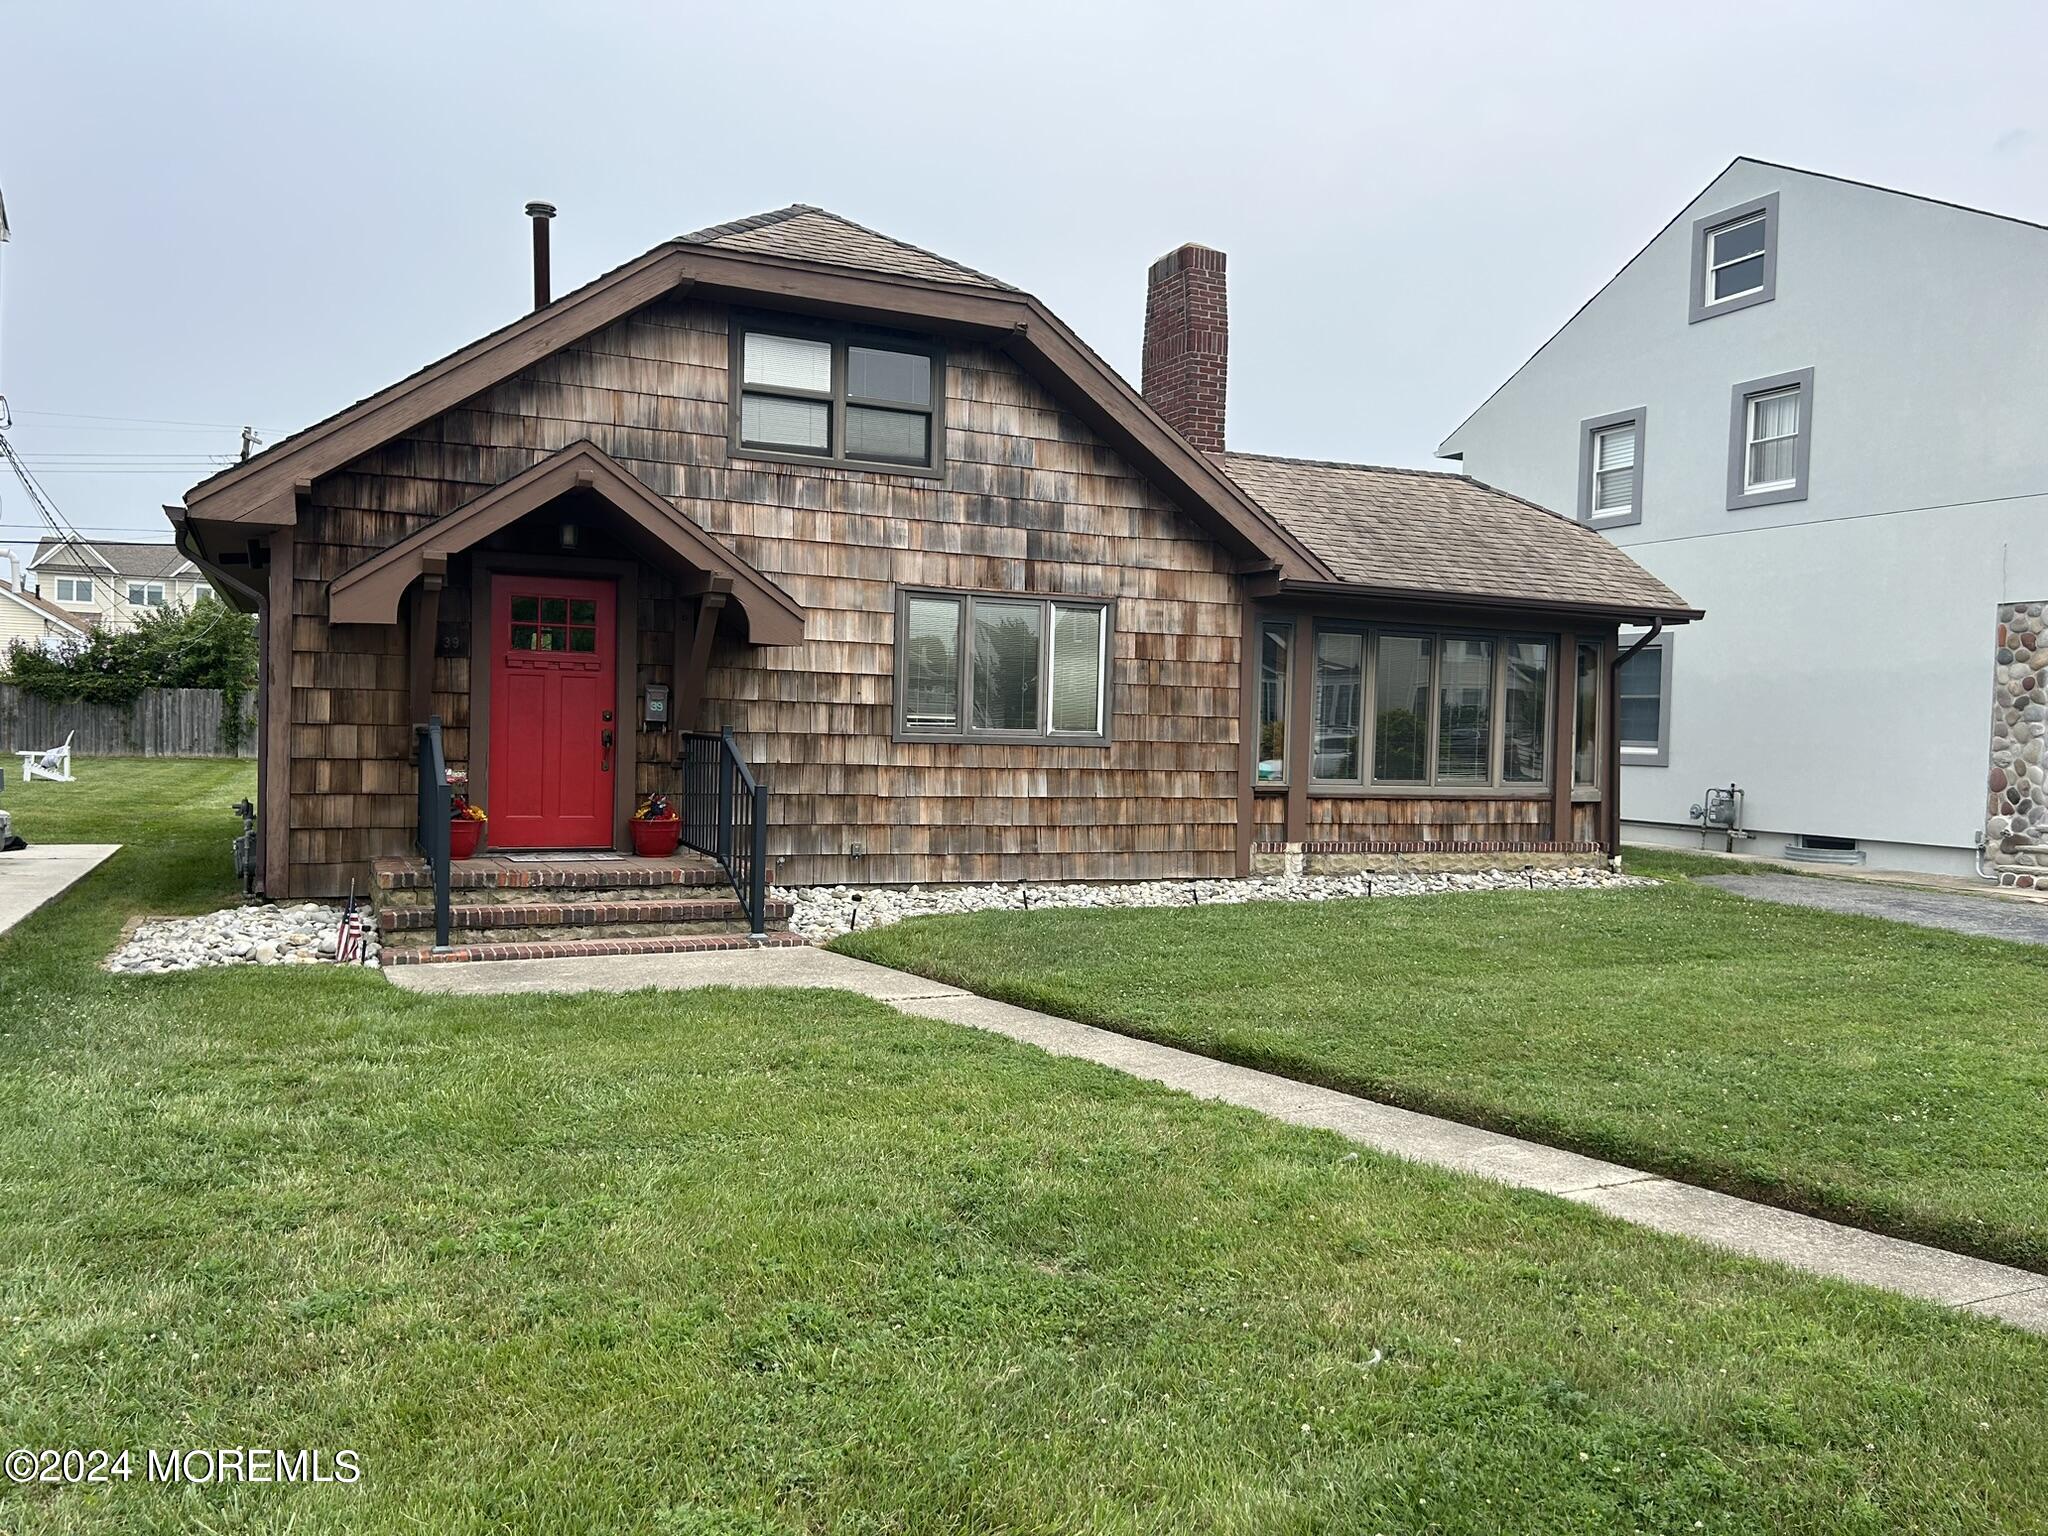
(348, 938)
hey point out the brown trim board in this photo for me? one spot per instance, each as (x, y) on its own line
(369, 593)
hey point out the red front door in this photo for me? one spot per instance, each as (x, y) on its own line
(553, 691)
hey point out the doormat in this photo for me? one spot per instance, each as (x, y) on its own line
(570, 856)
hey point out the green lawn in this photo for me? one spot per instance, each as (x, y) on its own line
(748, 1263)
(1877, 1073)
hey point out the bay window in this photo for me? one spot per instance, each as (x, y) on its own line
(994, 667)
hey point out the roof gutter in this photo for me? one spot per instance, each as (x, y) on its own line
(239, 593)
(1656, 629)
(1619, 614)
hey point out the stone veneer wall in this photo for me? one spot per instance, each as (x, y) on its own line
(2016, 807)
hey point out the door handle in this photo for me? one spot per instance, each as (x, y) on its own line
(606, 765)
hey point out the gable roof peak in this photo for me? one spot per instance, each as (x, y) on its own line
(806, 232)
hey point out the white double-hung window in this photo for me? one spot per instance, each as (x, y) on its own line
(1614, 469)
(1772, 441)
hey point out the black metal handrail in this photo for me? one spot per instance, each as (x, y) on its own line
(724, 811)
(436, 812)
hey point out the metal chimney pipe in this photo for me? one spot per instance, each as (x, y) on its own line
(540, 213)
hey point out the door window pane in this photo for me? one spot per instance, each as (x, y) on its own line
(1275, 642)
(931, 664)
(1007, 639)
(902, 437)
(1339, 700)
(769, 421)
(1586, 748)
(1525, 728)
(1400, 735)
(1464, 742)
(788, 362)
(904, 378)
(1077, 669)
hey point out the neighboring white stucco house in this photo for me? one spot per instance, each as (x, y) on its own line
(102, 582)
(1816, 408)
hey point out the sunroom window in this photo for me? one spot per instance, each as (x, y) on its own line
(1462, 711)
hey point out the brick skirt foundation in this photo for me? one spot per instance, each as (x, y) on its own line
(1340, 858)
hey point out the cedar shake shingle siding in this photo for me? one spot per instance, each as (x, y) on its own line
(1033, 502)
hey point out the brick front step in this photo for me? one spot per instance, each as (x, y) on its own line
(491, 872)
(540, 912)
(572, 949)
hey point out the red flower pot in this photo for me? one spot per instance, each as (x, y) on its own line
(656, 838)
(464, 834)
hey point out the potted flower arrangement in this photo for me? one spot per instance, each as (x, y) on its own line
(466, 819)
(656, 828)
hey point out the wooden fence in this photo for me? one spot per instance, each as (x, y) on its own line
(163, 722)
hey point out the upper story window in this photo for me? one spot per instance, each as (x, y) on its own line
(1735, 258)
(991, 667)
(1611, 468)
(1398, 709)
(146, 594)
(837, 395)
(74, 589)
(1769, 440)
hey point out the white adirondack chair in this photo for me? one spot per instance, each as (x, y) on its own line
(53, 764)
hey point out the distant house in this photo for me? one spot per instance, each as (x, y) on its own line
(970, 606)
(28, 619)
(1815, 407)
(102, 582)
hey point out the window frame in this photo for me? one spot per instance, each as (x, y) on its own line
(840, 338)
(146, 587)
(1593, 784)
(1658, 754)
(74, 582)
(1293, 629)
(1703, 232)
(966, 732)
(1590, 432)
(1740, 496)
(1494, 786)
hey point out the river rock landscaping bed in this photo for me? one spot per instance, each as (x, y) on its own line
(302, 934)
(824, 912)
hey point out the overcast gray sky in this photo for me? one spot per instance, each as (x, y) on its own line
(259, 213)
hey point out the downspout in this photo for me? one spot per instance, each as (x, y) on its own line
(1613, 806)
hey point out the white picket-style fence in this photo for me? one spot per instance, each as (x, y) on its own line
(163, 722)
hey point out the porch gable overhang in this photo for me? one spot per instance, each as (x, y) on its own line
(369, 593)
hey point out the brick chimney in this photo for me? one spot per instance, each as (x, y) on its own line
(1187, 343)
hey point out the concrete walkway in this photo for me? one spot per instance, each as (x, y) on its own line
(2014, 1296)
(1961, 912)
(41, 872)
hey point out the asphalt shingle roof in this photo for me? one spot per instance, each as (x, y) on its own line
(151, 562)
(1441, 534)
(804, 233)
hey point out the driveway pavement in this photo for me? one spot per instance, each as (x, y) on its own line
(2015, 1296)
(2021, 922)
(40, 872)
